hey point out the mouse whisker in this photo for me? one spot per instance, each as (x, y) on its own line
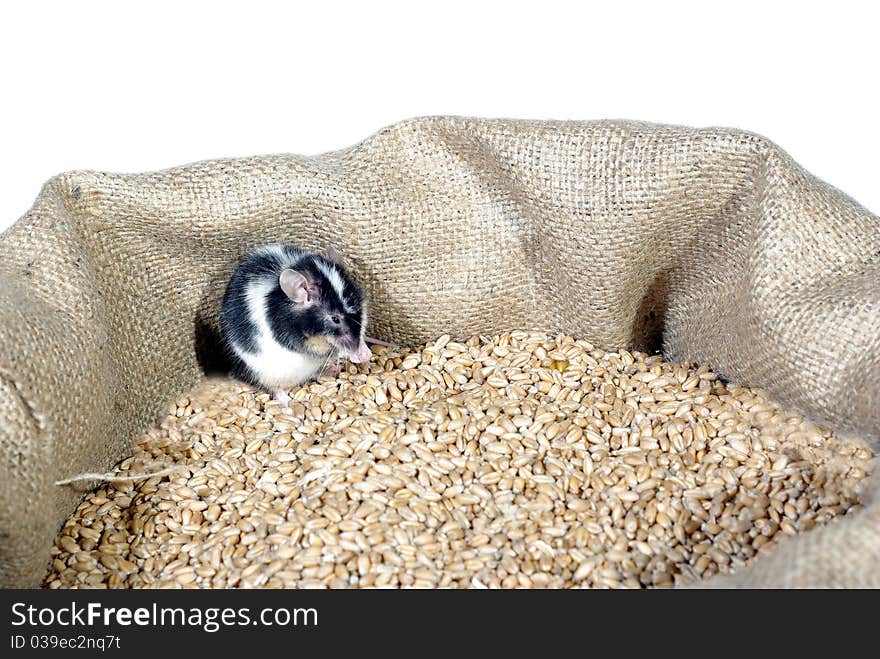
(370, 339)
(326, 361)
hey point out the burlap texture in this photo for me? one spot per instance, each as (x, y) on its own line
(624, 233)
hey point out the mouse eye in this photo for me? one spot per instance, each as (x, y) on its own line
(334, 319)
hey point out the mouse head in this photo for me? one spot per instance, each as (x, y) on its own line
(329, 307)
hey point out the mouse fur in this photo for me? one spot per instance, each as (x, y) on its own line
(287, 313)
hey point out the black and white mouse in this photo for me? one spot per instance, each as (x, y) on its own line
(287, 314)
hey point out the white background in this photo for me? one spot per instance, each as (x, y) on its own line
(127, 86)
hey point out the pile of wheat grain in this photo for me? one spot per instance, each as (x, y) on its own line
(513, 461)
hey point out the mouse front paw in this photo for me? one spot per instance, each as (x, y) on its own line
(331, 370)
(282, 397)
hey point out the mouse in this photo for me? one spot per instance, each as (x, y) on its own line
(286, 316)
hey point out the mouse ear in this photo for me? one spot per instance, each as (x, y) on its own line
(296, 286)
(333, 256)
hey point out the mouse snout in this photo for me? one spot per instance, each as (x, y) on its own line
(355, 349)
(361, 355)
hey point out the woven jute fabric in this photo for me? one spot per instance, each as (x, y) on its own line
(711, 244)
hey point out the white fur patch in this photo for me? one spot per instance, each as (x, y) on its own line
(275, 365)
(332, 275)
(273, 250)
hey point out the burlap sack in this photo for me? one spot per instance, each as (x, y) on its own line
(711, 241)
